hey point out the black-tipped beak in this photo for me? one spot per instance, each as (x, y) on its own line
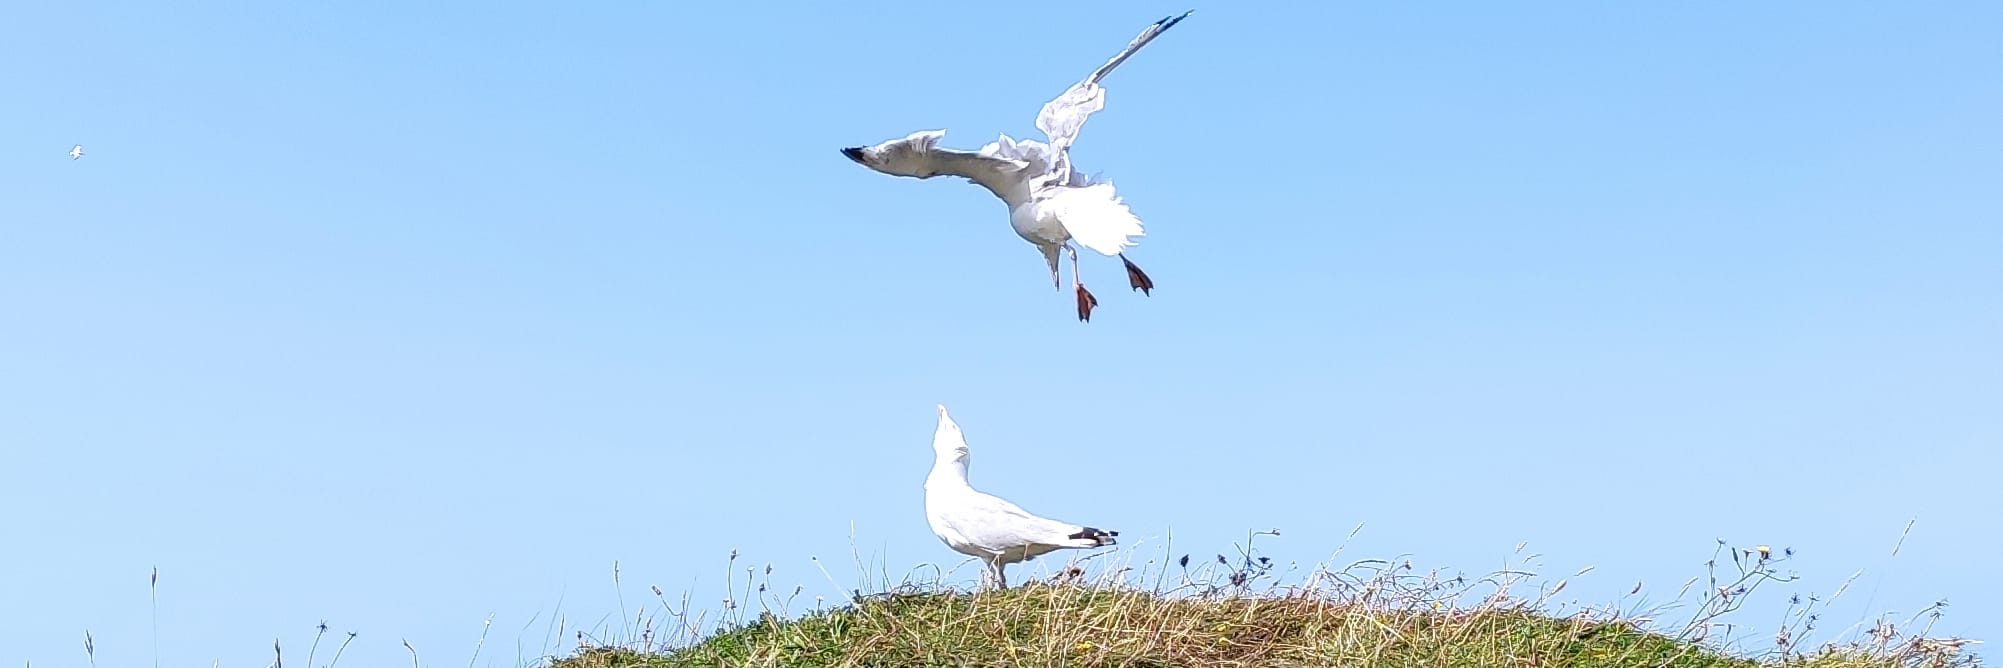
(854, 154)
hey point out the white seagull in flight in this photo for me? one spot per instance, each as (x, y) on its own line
(983, 526)
(1049, 204)
(76, 152)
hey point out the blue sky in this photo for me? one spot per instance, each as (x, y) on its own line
(400, 317)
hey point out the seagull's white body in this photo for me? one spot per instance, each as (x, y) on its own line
(1050, 204)
(76, 152)
(984, 526)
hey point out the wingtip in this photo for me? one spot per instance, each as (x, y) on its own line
(854, 153)
(1096, 535)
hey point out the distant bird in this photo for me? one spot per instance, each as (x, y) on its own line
(76, 152)
(1049, 204)
(983, 526)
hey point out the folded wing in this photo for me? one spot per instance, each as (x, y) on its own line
(999, 527)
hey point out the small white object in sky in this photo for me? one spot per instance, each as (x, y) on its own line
(76, 152)
(983, 526)
(1049, 204)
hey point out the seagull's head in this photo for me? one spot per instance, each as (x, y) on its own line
(948, 442)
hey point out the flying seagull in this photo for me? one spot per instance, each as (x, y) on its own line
(1049, 203)
(983, 526)
(76, 152)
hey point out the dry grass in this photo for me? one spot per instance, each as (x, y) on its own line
(1236, 612)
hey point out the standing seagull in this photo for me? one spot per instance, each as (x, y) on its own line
(983, 526)
(1049, 204)
(76, 152)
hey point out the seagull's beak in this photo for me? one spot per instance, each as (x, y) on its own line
(854, 153)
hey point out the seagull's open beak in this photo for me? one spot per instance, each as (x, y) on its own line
(854, 153)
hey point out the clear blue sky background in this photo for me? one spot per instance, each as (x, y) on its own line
(399, 316)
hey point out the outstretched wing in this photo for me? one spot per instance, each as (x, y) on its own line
(919, 156)
(1061, 118)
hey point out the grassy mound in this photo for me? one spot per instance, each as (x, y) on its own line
(1079, 626)
(1387, 619)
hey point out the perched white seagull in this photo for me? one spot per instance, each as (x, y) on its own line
(983, 526)
(1049, 203)
(76, 152)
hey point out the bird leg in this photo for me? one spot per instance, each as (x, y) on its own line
(1085, 299)
(1050, 257)
(1137, 278)
(991, 575)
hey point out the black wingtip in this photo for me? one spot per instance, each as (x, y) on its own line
(854, 153)
(1169, 21)
(1100, 536)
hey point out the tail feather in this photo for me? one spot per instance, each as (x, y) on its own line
(1095, 217)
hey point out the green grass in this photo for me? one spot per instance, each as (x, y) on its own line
(1240, 615)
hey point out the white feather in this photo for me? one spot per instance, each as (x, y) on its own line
(1050, 203)
(1094, 217)
(985, 526)
(918, 155)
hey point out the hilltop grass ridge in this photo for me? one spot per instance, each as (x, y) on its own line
(1239, 612)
